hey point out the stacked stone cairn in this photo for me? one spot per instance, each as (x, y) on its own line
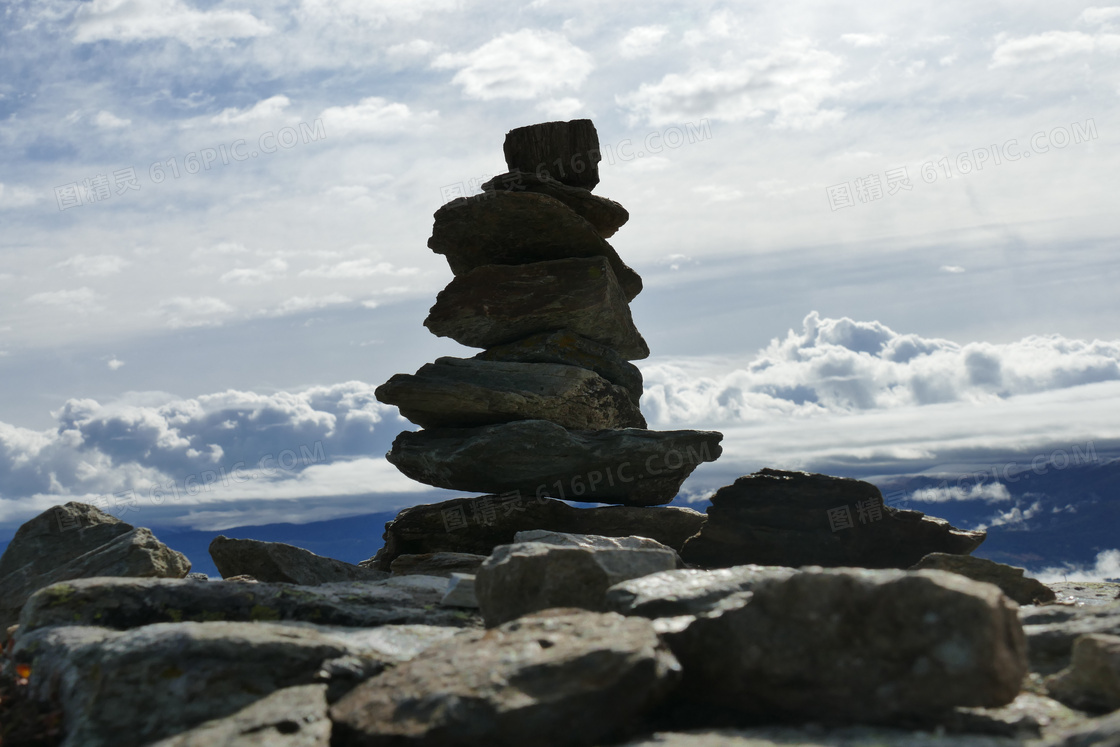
(550, 407)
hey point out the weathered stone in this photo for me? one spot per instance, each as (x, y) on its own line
(606, 216)
(570, 349)
(292, 717)
(531, 576)
(1086, 593)
(276, 562)
(131, 603)
(774, 517)
(499, 304)
(125, 689)
(78, 541)
(1009, 579)
(517, 228)
(495, 520)
(1052, 630)
(565, 677)
(538, 458)
(565, 151)
(689, 591)
(847, 645)
(462, 393)
(1092, 680)
(436, 564)
(460, 592)
(1100, 732)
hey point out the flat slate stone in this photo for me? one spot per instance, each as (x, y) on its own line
(688, 591)
(479, 524)
(775, 517)
(462, 393)
(500, 304)
(516, 228)
(276, 562)
(606, 216)
(538, 458)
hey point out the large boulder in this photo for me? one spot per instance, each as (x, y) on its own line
(569, 349)
(462, 393)
(688, 591)
(565, 151)
(530, 576)
(775, 517)
(1023, 589)
(479, 524)
(78, 541)
(1092, 680)
(276, 562)
(566, 678)
(516, 228)
(848, 645)
(538, 458)
(499, 304)
(1052, 630)
(605, 216)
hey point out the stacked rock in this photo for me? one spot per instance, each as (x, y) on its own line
(550, 407)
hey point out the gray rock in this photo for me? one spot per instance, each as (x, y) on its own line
(566, 678)
(565, 151)
(1086, 593)
(460, 592)
(516, 228)
(131, 603)
(1100, 732)
(500, 304)
(606, 216)
(292, 717)
(538, 458)
(1051, 631)
(477, 525)
(1092, 680)
(528, 577)
(276, 562)
(795, 519)
(436, 564)
(462, 393)
(689, 591)
(78, 541)
(569, 349)
(848, 645)
(1009, 579)
(815, 735)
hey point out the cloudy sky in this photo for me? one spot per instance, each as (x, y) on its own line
(875, 241)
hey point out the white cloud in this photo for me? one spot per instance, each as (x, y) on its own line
(307, 303)
(183, 311)
(82, 301)
(138, 20)
(270, 270)
(114, 364)
(373, 116)
(17, 196)
(991, 492)
(1098, 16)
(952, 269)
(525, 64)
(374, 13)
(864, 40)
(109, 121)
(566, 108)
(411, 49)
(641, 41)
(1050, 45)
(221, 248)
(269, 108)
(357, 268)
(1106, 566)
(99, 265)
(791, 83)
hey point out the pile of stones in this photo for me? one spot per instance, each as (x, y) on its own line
(550, 407)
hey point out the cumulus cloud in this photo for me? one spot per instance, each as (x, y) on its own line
(525, 64)
(296, 304)
(373, 13)
(1105, 567)
(991, 492)
(373, 116)
(864, 40)
(109, 121)
(98, 265)
(1050, 45)
(270, 270)
(357, 268)
(641, 41)
(790, 84)
(139, 20)
(184, 311)
(268, 108)
(17, 196)
(82, 300)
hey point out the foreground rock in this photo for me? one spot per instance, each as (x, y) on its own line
(689, 591)
(292, 717)
(131, 603)
(78, 541)
(1092, 680)
(458, 393)
(1009, 579)
(500, 304)
(1051, 631)
(516, 228)
(569, 349)
(530, 576)
(560, 678)
(850, 645)
(774, 517)
(478, 525)
(276, 562)
(605, 216)
(538, 458)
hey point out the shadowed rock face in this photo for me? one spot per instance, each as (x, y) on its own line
(538, 458)
(606, 216)
(795, 519)
(276, 562)
(565, 151)
(499, 304)
(458, 393)
(1009, 579)
(515, 228)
